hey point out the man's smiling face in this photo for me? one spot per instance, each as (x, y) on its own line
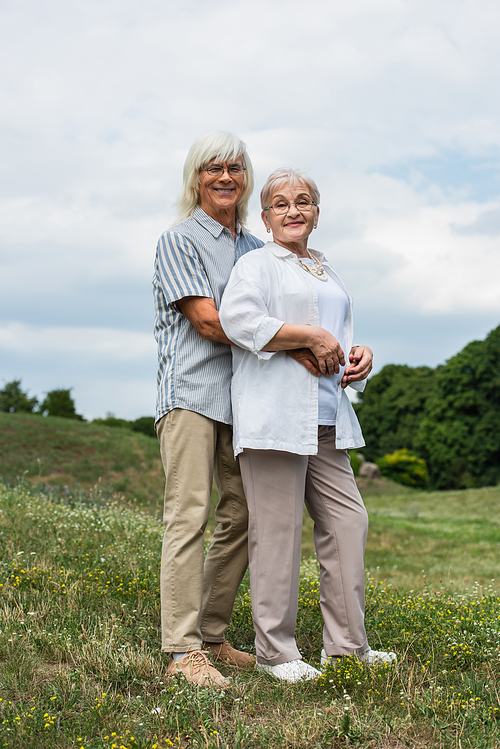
(221, 193)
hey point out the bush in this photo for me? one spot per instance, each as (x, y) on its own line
(112, 421)
(356, 461)
(143, 425)
(404, 467)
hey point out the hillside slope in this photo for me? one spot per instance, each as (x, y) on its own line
(67, 452)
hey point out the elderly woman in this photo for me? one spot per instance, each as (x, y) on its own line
(292, 431)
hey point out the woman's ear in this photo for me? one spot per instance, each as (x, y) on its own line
(263, 216)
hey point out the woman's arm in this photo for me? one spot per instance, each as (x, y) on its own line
(323, 345)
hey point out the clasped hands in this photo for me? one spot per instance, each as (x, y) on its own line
(359, 367)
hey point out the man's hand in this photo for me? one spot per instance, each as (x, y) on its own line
(305, 357)
(360, 365)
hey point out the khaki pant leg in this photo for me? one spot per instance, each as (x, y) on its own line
(227, 558)
(187, 446)
(274, 487)
(340, 529)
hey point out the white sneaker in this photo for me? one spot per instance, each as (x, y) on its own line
(326, 659)
(370, 657)
(291, 670)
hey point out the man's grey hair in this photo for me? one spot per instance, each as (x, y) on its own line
(221, 147)
(287, 176)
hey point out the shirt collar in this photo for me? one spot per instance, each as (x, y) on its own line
(280, 251)
(210, 224)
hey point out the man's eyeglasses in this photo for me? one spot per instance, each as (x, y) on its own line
(217, 170)
(281, 206)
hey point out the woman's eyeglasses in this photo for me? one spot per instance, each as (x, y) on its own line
(281, 206)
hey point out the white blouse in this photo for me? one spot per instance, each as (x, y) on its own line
(333, 304)
(274, 398)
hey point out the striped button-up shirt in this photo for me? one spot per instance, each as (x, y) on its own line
(195, 258)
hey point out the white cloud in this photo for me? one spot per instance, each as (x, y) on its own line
(440, 271)
(101, 344)
(109, 370)
(101, 100)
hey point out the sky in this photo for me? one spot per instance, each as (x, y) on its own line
(391, 106)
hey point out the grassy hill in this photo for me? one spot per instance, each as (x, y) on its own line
(57, 451)
(450, 538)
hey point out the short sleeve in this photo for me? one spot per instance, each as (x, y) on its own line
(179, 269)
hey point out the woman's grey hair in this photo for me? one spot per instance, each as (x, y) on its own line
(219, 146)
(287, 176)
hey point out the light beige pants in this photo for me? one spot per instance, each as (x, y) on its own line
(276, 484)
(197, 597)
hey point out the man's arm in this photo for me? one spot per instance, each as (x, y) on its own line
(203, 316)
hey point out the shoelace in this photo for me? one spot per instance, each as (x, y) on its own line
(198, 660)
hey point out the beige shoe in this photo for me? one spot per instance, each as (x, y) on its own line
(223, 651)
(197, 670)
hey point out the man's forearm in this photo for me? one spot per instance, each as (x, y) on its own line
(203, 316)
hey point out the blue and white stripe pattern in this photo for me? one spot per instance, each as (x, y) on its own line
(195, 258)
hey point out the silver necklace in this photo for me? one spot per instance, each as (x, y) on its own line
(318, 271)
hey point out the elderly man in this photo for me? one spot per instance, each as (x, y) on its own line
(193, 420)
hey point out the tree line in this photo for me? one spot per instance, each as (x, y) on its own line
(438, 428)
(60, 402)
(448, 417)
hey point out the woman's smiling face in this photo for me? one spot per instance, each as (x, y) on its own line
(294, 226)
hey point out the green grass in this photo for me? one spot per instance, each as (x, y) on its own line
(68, 453)
(80, 661)
(444, 538)
(438, 538)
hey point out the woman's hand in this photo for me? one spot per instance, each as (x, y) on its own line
(323, 345)
(360, 365)
(327, 351)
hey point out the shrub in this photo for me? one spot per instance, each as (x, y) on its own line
(112, 421)
(356, 461)
(144, 425)
(404, 467)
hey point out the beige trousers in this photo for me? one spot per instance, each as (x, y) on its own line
(276, 485)
(197, 597)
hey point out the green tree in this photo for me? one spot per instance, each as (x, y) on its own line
(13, 399)
(60, 403)
(459, 436)
(391, 408)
